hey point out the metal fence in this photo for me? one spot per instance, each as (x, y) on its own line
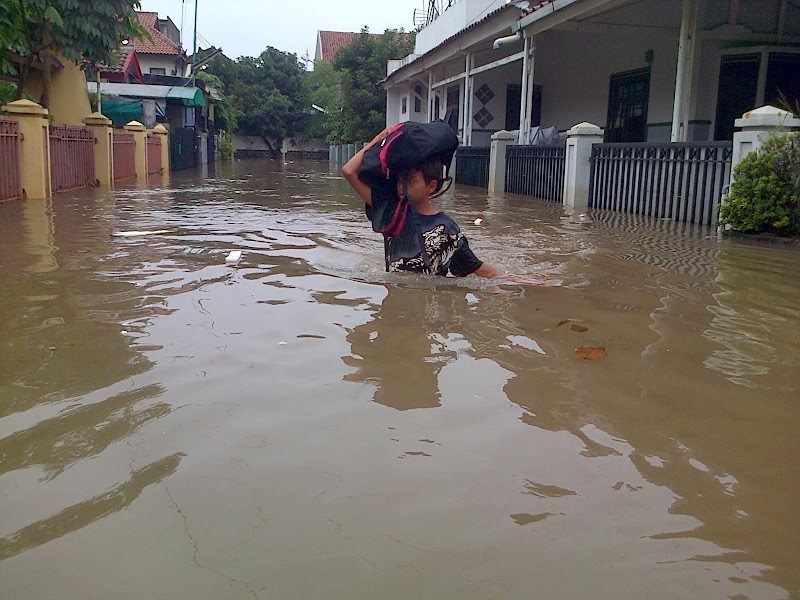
(124, 149)
(10, 159)
(153, 153)
(678, 181)
(182, 148)
(472, 166)
(71, 157)
(536, 171)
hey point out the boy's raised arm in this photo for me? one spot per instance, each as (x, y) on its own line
(350, 169)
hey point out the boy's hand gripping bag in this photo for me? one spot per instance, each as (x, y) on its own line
(408, 145)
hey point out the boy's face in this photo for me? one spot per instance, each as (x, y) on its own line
(418, 190)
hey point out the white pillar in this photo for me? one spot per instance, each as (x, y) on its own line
(430, 96)
(578, 166)
(467, 119)
(683, 75)
(756, 127)
(526, 94)
(497, 160)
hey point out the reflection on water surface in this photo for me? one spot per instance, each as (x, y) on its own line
(302, 424)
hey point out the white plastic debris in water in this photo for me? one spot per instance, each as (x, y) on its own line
(478, 221)
(141, 233)
(471, 298)
(233, 257)
(283, 343)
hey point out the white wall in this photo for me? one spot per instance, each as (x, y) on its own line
(163, 61)
(575, 89)
(497, 80)
(453, 20)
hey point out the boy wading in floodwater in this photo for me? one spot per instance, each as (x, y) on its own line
(417, 237)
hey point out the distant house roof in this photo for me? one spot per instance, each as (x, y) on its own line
(127, 66)
(330, 42)
(160, 44)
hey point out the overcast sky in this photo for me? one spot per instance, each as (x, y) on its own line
(246, 27)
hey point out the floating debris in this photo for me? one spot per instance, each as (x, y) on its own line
(233, 257)
(142, 233)
(590, 352)
(579, 328)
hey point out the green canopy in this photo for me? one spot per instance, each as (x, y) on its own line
(190, 96)
(122, 112)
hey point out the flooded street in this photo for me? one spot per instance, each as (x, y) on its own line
(303, 425)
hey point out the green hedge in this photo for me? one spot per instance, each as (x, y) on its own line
(765, 195)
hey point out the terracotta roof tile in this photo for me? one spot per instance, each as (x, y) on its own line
(160, 43)
(333, 41)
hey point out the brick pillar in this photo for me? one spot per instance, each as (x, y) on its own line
(35, 129)
(578, 164)
(497, 160)
(103, 148)
(140, 136)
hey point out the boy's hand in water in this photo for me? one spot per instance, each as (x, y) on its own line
(526, 281)
(492, 272)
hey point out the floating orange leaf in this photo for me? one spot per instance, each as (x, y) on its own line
(590, 352)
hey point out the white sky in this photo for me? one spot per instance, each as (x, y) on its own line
(247, 27)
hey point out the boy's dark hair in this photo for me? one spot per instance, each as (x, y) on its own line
(431, 170)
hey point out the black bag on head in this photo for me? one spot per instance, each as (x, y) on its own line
(408, 145)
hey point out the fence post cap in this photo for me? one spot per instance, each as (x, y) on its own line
(767, 116)
(160, 129)
(97, 118)
(585, 128)
(504, 134)
(25, 107)
(134, 126)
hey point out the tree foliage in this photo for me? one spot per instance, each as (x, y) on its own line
(269, 93)
(79, 30)
(226, 115)
(765, 195)
(362, 65)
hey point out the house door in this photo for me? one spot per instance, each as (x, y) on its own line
(628, 97)
(513, 99)
(738, 87)
(453, 101)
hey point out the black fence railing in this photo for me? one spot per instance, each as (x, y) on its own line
(536, 171)
(678, 181)
(472, 166)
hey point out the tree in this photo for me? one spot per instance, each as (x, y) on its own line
(363, 65)
(269, 91)
(79, 30)
(226, 115)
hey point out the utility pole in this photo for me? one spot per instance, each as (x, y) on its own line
(194, 44)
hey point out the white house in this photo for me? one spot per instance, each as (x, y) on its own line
(643, 70)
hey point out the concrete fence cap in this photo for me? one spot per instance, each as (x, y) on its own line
(97, 118)
(134, 126)
(504, 134)
(25, 107)
(160, 129)
(768, 116)
(585, 128)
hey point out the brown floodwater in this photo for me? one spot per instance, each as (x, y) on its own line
(303, 425)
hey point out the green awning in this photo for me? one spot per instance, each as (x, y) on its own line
(190, 96)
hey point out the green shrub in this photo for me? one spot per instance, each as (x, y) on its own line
(765, 195)
(225, 145)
